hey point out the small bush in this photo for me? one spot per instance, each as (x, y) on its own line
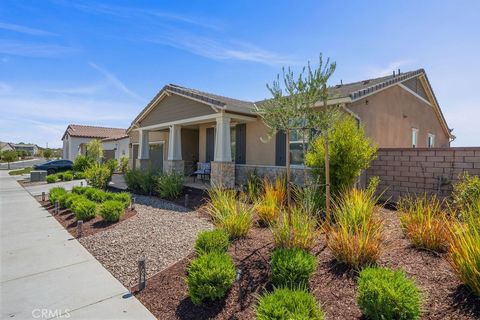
(123, 166)
(355, 236)
(170, 185)
(387, 294)
(82, 163)
(70, 199)
(466, 191)
(300, 233)
(210, 276)
(67, 176)
(96, 195)
(62, 200)
(424, 222)
(254, 186)
(55, 194)
(112, 164)
(287, 304)
(60, 175)
(51, 178)
(271, 201)
(235, 217)
(464, 249)
(79, 175)
(98, 175)
(79, 189)
(141, 181)
(123, 197)
(84, 209)
(111, 210)
(212, 241)
(292, 267)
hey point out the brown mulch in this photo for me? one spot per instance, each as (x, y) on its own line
(196, 198)
(333, 285)
(92, 226)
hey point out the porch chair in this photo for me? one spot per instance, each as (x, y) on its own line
(203, 170)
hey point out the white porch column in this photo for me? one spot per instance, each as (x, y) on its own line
(143, 145)
(223, 152)
(175, 143)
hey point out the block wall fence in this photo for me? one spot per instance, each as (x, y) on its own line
(417, 171)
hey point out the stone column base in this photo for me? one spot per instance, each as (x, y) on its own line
(143, 164)
(223, 174)
(174, 166)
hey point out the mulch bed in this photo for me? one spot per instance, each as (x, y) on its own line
(92, 226)
(333, 285)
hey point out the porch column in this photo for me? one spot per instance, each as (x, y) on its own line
(174, 160)
(143, 150)
(223, 169)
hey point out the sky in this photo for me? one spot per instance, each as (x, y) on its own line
(100, 63)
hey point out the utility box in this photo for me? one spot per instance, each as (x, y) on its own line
(38, 175)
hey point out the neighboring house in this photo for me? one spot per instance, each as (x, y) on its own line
(182, 126)
(115, 141)
(5, 146)
(31, 149)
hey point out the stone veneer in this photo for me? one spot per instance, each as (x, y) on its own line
(174, 166)
(223, 174)
(299, 175)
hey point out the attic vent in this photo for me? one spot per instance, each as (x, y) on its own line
(366, 81)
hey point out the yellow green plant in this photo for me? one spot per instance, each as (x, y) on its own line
(235, 217)
(271, 202)
(466, 191)
(354, 236)
(301, 233)
(464, 249)
(424, 222)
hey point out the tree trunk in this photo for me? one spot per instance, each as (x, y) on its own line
(287, 163)
(327, 182)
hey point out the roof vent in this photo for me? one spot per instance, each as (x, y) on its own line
(398, 71)
(394, 73)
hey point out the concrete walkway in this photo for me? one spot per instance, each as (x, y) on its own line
(46, 274)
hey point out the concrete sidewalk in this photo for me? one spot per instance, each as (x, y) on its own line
(46, 274)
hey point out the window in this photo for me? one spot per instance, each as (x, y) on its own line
(414, 137)
(299, 144)
(431, 140)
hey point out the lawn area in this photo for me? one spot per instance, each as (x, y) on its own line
(20, 171)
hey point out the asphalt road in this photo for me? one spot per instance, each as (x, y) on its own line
(22, 164)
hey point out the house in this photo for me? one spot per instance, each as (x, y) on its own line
(115, 141)
(30, 149)
(182, 126)
(6, 146)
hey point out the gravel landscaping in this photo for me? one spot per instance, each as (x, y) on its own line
(161, 231)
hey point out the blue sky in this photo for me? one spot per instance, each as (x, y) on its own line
(98, 63)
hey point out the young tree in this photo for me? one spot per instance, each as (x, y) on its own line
(9, 156)
(95, 150)
(292, 105)
(47, 153)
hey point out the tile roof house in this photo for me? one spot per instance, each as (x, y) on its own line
(76, 137)
(181, 126)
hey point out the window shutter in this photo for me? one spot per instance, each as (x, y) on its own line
(210, 147)
(240, 143)
(280, 148)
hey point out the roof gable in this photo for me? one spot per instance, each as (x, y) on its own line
(82, 131)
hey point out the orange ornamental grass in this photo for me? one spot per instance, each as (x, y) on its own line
(271, 202)
(354, 237)
(424, 222)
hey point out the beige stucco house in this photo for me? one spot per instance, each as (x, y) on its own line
(183, 126)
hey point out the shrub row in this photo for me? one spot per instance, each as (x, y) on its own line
(65, 176)
(167, 185)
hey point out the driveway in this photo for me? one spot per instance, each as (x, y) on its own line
(22, 164)
(46, 274)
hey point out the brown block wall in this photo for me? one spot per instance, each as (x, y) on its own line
(417, 171)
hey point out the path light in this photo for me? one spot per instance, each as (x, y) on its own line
(186, 201)
(79, 228)
(57, 207)
(132, 205)
(43, 195)
(239, 274)
(142, 274)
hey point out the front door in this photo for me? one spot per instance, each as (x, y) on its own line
(210, 148)
(156, 156)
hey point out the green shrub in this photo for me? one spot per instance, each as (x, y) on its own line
(141, 181)
(67, 176)
(212, 241)
(288, 304)
(79, 189)
(170, 185)
(292, 267)
(55, 194)
(96, 195)
(387, 294)
(466, 191)
(60, 175)
(210, 276)
(350, 151)
(70, 199)
(123, 166)
(111, 210)
(62, 200)
(82, 163)
(84, 209)
(51, 178)
(123, 197)
(112, 164)
(98, 175)
(79, 175)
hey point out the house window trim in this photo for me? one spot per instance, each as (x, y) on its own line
(414, 141)
(431, 135)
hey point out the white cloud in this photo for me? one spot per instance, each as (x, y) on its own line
(25, 30)
(375, 72)
(113, 80)
(26, 49)
(5, 88)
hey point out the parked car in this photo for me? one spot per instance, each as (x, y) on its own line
(54, 166)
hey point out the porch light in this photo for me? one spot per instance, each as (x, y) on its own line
(142, 274)
(79, 228)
